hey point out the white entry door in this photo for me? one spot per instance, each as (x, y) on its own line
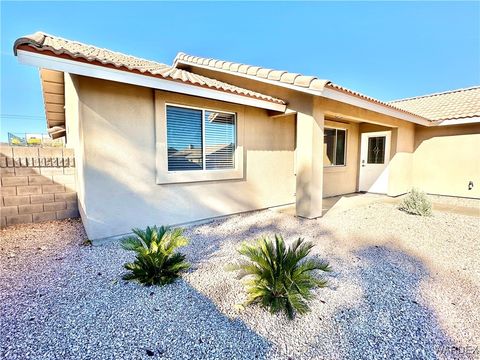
(374, 158)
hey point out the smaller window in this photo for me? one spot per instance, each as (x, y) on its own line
(334, 145)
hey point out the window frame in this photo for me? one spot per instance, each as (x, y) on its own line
(204, 155)
(336, 128)
(165, 176)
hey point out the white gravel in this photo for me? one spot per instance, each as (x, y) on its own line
(403, 287)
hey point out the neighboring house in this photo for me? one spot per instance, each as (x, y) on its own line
(159, 144)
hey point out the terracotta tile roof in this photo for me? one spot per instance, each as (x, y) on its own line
(455, 104)
(301, 82)
(92, 54)
(369, 98)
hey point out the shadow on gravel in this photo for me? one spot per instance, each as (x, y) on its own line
(122, 321)
(238, 228)
(391, 321)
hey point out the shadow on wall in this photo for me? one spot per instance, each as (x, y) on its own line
(392, 320)
(424, 134)
(128, 206)
(119, 198)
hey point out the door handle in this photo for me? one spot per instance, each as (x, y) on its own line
(363, 163)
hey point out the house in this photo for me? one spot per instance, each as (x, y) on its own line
(160, 144)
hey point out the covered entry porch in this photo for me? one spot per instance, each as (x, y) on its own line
(342, 149)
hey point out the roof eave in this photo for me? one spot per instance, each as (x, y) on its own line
(344, 97)
(40, 59)
(324, 92)
(460, 121)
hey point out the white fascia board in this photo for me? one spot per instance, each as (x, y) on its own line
(100, 72)
(471, 120)
(365, 104)
(326, 93)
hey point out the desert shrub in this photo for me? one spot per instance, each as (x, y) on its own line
(277, 277)
(416, 203)
(86, 242)
(156, 261)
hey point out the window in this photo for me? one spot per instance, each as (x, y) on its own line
(200, 139)
(334, 143)
(376, 150)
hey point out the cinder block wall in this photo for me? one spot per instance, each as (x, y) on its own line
(37, 184)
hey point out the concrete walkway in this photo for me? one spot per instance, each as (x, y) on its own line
(456, 209)
(336, 204)
(342, 203)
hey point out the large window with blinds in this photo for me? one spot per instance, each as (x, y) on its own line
(200, 139)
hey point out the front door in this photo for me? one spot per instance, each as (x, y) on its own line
(374, 158)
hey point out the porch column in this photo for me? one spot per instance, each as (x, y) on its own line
(309, 186)
(400, 167)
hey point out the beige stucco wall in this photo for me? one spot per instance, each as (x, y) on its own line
(410, 164)
(117, 128)
(74, 135)
(401, 160)
(446, 158)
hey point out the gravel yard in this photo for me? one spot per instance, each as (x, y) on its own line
(403, 287)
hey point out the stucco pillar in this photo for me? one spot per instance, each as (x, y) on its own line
(309, 181)
(400, 166)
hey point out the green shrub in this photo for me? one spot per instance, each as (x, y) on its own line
(156, 261)
(277, 277)
(416, 203)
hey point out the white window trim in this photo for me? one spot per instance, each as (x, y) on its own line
(335, 146)
(164, 176)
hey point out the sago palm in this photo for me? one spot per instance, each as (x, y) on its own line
(278, 277)
(156, 262)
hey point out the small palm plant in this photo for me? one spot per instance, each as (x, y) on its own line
(280, 278)
(416, 203)
(156, 262)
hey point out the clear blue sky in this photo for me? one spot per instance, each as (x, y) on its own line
(387, 50)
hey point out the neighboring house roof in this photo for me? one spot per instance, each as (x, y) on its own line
(448, 105)
(41, 42)
(296, 81)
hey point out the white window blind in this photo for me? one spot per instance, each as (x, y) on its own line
(219, 140)
(200, 139)
(184, 139)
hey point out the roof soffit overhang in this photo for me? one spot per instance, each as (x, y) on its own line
(32, 50)
(53, 90)
(323, 88)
